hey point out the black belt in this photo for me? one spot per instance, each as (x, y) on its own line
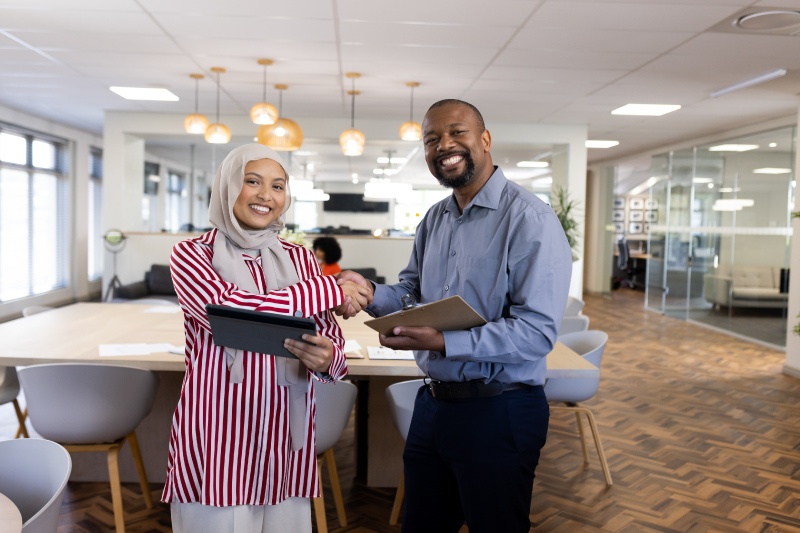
(462, 390)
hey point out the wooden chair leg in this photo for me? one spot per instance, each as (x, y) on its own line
(137, 458)
(398, 500)
(116, 489)
(337, 489)
(21, 417)
(583, 438)
(319, 503)
(599, 446)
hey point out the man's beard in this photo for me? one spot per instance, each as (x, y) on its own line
(458, 181)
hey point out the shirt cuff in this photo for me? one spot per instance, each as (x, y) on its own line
(381, 299)
(457, 344)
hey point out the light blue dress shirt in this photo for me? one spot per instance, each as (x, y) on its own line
(507, 257)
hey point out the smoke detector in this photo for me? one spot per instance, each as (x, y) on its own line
(761, 20)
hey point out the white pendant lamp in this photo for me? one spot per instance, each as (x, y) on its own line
(196, 123)
(285, 135)
(352, 141)
(218, 133)
(263, 112)
(411, 131)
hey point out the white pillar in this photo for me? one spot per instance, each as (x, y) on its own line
(792, 364)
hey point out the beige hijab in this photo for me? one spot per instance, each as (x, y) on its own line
(279, 271)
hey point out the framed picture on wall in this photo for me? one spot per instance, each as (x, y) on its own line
(636, 216)
(651, 216)
(619, 227)
(647, 228)
(618, 215)
(619, 202)
(636, 203)
(635, 227)
(651, 204)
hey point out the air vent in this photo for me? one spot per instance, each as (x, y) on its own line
(761, 20)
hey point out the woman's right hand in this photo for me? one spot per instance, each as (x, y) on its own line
(355, 295)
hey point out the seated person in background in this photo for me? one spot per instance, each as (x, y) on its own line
(328, 254)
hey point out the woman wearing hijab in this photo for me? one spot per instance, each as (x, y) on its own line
(242, 455)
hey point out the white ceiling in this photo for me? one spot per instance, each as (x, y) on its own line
(550, 61)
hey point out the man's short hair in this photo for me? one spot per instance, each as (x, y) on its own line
(478, 116)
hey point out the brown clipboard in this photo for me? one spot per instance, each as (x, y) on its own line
(450, 314)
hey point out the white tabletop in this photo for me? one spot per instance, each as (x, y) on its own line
(10, 518)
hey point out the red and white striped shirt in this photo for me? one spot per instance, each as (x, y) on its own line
(230, 443)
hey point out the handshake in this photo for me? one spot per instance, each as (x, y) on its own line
(357, 293)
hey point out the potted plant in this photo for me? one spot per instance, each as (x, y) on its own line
(565, 210)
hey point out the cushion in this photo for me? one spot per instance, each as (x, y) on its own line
(159, 280)
(757, 293)
(751, 275)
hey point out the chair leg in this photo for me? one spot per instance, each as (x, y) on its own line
(599, 446)
(116, 490)
(319, 502)
(137, 458)
(337, 489)
(398, 500)
(21, 416)
(583, 438)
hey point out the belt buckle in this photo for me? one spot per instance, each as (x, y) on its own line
(441, 395)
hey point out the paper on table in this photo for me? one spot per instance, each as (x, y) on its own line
(353, 349)
(167, 309)
(110, 350)
(376, 352)
(165, 347)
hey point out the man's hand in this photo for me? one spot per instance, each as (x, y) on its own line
(355, 296)
(416, 338)
(347, 310)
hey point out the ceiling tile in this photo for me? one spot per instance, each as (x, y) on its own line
(569, 90)
(52, 40)
(641, 16)
(361, 54)
(582, 40)
(77, 21)
(254, 49)
(307, 9)
(443, 12)
(420, 34)
(551, 75)
(252, 27)
(77, 5)
(542, 58)
(732, 45)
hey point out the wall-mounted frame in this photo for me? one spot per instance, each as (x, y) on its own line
(635, 227)
(651, 204)
(647, 228)
(618, 215)
(636, 216)
(651, 216)
(636, 203)
(619, 202)
(619, 227)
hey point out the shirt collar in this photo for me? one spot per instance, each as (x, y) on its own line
(488, 196)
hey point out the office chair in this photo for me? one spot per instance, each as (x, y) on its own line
(622, 263)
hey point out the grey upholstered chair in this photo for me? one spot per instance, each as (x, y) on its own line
(335, 403)
(33, 475)
(589, 345)
(572, 324)
(401, 397)
(92, 408)
(574, 306)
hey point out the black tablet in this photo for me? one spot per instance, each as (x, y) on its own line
(256, 331)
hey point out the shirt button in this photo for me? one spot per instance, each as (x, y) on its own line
(453, 252)
(447, 287)
(433, 356)
(459, 221)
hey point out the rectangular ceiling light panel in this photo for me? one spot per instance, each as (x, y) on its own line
(533, 164)
(769, 170)
(733, 148)
(145, 93)
(601, 144)
(651, 110)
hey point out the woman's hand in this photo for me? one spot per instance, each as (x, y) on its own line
(316, 356)
(346, 310)
(356, 296)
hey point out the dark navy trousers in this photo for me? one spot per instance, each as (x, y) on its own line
(473, 460)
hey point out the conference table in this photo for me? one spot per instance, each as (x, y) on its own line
(73, 334)
(10, 517)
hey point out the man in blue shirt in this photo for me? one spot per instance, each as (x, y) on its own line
(479, 425)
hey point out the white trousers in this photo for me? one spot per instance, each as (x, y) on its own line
(292, 515)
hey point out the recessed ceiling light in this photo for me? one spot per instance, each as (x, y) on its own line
(710, 185)
(396, 160)
(730, 189)
(746, 202)
(702, 180)
(733, 147)
(769, 170)
(773, 145)
(355, 180)
(303, 152)
(255, 139)
(601, 144)
(533, 164)
(145, 93)
(652, 110)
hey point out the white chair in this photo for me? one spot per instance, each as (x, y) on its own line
(590, 345)
(573, 324)
(9, 390)
(33, 475)
(35, 309)
(91, 408)
(335, 403)
(401, 397)
(574, 306)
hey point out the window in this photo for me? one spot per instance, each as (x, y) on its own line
(305, 215)
(95, 214)
(34, 214)
(177, 201)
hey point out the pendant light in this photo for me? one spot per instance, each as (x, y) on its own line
(218, 133)
(411, 131)
(285, 135)
(352, 140)
(263, 112)
(196, 123)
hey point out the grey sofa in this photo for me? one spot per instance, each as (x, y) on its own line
(157, 283)
(745, 286)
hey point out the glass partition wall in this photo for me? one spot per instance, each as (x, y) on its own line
(720, 255)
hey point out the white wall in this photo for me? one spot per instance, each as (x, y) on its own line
(78, 145)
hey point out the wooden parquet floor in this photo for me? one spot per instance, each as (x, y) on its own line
(701, 431)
